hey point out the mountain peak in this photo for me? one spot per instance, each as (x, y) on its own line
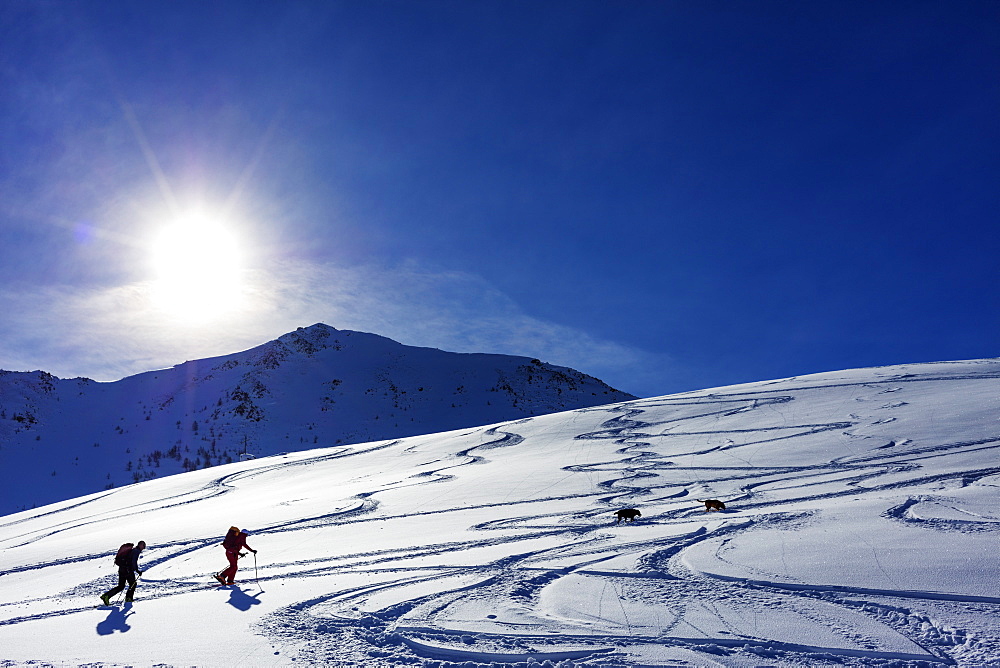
(315, 386)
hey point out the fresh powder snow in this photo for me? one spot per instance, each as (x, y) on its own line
(860, 528)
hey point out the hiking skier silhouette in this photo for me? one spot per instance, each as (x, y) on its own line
(127, 561)
(234, 541)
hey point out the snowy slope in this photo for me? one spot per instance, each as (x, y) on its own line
(317, 386)
(863, 512)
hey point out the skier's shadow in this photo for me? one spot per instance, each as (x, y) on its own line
(242, 601)
(115, 621)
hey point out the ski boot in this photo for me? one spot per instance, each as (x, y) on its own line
(105, 599)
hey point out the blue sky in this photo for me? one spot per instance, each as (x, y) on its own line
(668, 195)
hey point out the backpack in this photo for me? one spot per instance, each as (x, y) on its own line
(230, 541)
(121, 559)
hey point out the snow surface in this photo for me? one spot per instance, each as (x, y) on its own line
(861, 529)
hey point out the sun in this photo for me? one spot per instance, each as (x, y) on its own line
(198, 269)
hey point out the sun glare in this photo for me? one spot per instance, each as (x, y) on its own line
(198, 269)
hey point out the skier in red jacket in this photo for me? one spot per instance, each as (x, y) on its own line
(234, 541)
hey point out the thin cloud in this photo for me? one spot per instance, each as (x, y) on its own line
(111, 333)
(454, 311)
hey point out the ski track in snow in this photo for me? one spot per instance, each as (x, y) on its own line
(658, 591)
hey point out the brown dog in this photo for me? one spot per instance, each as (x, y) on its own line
(627, 514)
(712, 504)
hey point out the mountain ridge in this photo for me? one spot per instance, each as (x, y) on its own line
(308, 388)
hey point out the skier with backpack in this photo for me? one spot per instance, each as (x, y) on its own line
(235, 540)
(127, 561)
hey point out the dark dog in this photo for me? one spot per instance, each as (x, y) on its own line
(627, 514)
(712, 504)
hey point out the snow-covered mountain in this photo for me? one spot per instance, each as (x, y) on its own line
(313, 387)
(861, 525)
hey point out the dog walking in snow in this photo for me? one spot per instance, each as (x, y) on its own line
(627, 514)
(712, 504)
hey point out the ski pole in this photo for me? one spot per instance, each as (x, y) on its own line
(255, 578)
